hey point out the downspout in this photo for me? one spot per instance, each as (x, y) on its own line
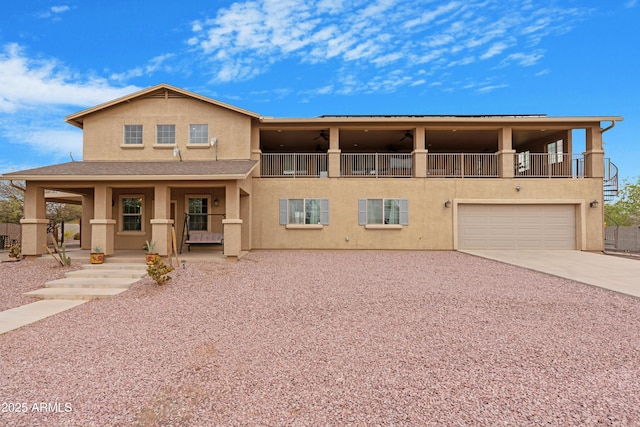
(613, 123)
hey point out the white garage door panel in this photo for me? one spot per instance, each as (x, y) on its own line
(516, 227)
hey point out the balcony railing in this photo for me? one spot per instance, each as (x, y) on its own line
(291, 165)
(439, 165)
(376, 165)
(461, 165)
(549, 165)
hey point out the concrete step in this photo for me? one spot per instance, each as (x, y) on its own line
(92, 282)
(101, 273)
(116, 266)
(75, 293)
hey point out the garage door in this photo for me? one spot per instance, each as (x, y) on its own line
(516, 227)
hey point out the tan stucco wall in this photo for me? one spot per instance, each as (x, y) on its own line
(104, 130)
(431, 224)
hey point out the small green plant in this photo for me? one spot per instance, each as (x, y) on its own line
(63, 255)
(159, 271)
(76, 236)
(15, 251)
(149, 247)
(97, 250)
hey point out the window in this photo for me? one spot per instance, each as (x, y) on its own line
(198, 213)
(166, 134)
(133, 134)
(198, 134)
(383, 211)
(524, 161)
(304, 211)
(555, 152)
(131, 213)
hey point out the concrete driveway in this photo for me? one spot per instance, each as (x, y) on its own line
(618, 274)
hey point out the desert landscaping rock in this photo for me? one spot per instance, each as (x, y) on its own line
(331, 338)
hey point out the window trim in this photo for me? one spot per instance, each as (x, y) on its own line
(192, 144)
(121, 214)
(284, 213)
(403, 214)
(199, 196)
(165, 144)
(124, 136)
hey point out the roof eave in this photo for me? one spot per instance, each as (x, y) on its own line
(76, 118)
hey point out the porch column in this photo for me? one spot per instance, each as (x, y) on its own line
(594, 156)
(333, 153)
(34, 223)
(232, 225)
(256, 152)
(506, 153)
(85, 229)
(419, 153)
(102, 224)
(162, 222)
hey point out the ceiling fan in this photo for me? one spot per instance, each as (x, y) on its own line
(323, 134)
(407, 134)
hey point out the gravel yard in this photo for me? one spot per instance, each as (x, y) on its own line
(329, 338)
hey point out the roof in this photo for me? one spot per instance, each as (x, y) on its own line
(388, 119)
(138, 171)
(77, 119)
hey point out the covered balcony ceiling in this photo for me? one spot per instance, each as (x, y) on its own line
(396, 140)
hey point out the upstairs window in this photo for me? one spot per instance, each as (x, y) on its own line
(131, 213)
(133, 134)
(304, 211)
(383, 211)
(166, 134)
(555, 152)
(198, 134)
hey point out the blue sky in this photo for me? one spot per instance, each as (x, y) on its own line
(294, 58)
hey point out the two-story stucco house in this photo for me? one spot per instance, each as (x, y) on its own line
(165, 157)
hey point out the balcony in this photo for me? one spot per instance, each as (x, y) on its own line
(292, 165)
(461, 165)
(549, 165)
(438, 165)
(374, 165)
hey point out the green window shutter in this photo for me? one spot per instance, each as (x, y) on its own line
(324, 211)
(284, 204)
(362, 211)
(404, 212)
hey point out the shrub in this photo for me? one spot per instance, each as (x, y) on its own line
(159, 271)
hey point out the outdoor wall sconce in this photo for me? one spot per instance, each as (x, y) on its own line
(447, 204)
(593, 204)
(216, 202)
(517, 188)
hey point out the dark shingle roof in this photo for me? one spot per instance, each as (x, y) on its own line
(175, 170)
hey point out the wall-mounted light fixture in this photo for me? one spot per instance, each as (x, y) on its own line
(177, 153)
(593, 204)
(447, 204)
(216, 202)
(517, 188)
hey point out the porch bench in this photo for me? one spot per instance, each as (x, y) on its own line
(204, 238)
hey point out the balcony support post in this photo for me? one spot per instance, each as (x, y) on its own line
(506, 153)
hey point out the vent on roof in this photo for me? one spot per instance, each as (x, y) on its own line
(165, 94)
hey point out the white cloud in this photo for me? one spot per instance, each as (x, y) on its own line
(26, 82)
(60, 9)
(495, 49)
(373, 37)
